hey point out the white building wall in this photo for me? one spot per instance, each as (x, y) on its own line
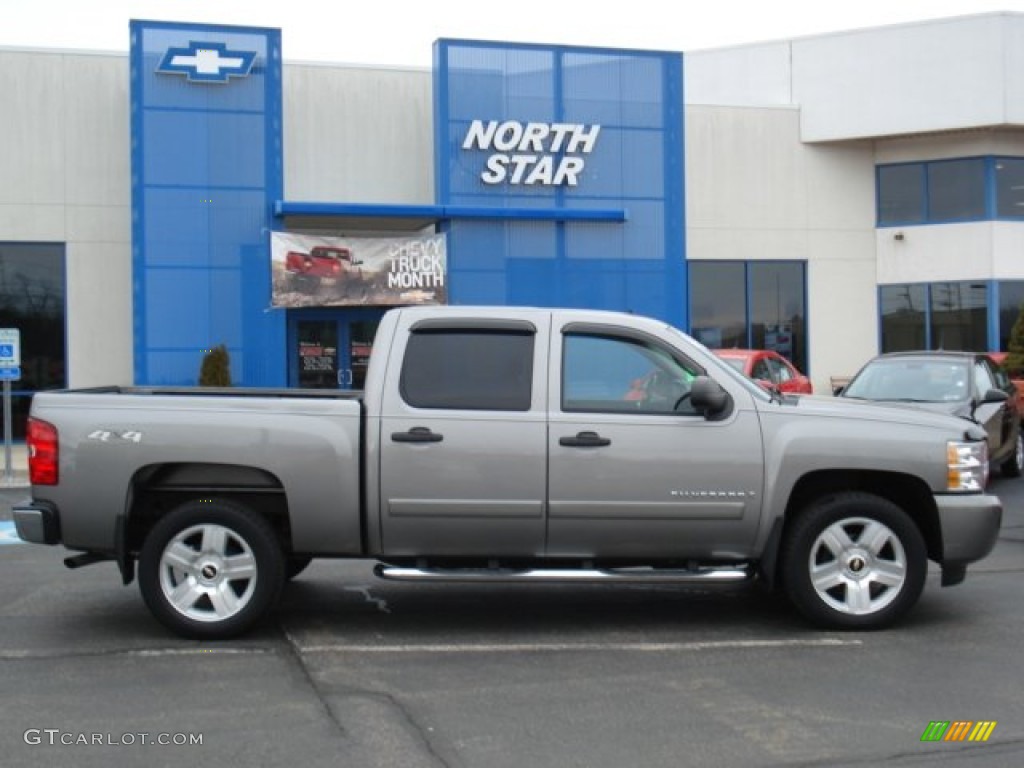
(936, 75)
(358, 135)
(749, 75)
(909, 78)
(65, 177)
(754, 191)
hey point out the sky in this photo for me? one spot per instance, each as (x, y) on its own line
(401, 33)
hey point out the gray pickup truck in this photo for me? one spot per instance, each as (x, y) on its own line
(510, 444)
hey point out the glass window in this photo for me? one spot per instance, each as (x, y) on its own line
(781, 374)
(901, 194)
(956, 190)
(32, 300)
(718, 303)
(903, 317)
(608, 373)
(1009, 173)
(778, 309)
(762, 371)
(1011, 309)
(958, 316)
(468, 370)
(983, 379)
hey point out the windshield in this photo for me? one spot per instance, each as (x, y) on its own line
(920, 381)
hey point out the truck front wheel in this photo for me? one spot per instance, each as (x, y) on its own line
(854, 561)
(211, 569)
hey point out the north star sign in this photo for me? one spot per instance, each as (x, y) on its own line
(546, 154)
(207, 62)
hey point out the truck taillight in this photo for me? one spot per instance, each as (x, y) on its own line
(43, 454)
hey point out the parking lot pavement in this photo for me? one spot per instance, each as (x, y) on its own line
(358, 672)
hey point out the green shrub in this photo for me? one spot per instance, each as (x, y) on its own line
(216, 368)
(1014, 362)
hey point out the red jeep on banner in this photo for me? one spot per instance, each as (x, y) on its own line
(324, 264)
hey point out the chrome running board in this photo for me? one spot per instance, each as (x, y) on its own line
(732, 574)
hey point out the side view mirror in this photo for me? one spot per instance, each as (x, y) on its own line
(708, 396)
(995, 396)
(991, 396)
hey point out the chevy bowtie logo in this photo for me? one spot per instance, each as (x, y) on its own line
(207, 62)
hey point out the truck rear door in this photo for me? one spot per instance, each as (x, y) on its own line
(463, 435)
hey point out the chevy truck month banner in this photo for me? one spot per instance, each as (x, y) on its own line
(316, 271)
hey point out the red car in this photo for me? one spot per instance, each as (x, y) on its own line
(768, 368)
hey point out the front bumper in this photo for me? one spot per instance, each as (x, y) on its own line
(970, 526)
(37, 522)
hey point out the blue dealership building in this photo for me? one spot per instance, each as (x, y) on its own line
(200, 191)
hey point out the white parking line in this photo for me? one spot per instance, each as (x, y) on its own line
(708, 645)
(7, 533)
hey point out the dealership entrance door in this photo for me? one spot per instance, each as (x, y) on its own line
(330, 348)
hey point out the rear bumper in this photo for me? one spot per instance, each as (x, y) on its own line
(970, 526)
(37, 522)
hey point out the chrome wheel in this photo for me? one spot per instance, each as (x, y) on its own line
(857, 566)
(211, 568)
(208, 573)
(853, 560)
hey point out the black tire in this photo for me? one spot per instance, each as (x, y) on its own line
(853, 561)
(193, 550)
(296, 564)
(1014, 464)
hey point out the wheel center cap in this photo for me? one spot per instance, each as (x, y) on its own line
(856, 564)
(209, 571)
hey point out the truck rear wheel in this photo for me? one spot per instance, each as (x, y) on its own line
(854, 561)
(211, 569)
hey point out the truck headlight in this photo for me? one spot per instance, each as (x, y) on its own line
(966, 466)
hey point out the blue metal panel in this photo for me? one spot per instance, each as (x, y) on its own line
(633, 262)
(206, 171)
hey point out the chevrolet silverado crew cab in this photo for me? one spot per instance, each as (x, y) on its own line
(504, 444)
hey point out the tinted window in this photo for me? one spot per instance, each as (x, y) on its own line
(901, 194)
(956, 190)
(32, 300)
(778, 309)
(718, 299)
(468, 370)
(959, 314)
(903, 317)
(607, 373)
(1011, 302)
(1009, 173)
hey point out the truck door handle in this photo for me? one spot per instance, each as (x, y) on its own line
(417, 435)
(585, 440)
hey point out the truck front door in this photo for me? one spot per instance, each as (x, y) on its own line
(463, 466)
(635, 471)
